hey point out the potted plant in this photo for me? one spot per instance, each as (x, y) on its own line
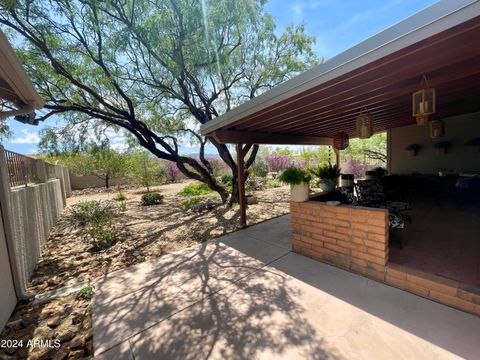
(413, 149)
(299, 181)
(327, 176)
(442, 146)
(376, 172)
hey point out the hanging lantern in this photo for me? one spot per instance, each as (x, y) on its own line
(364, 124)
(423, 102)
(436, 129)
(341, 141)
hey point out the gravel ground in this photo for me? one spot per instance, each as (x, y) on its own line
(143, 233)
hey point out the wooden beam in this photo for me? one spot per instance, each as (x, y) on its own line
(238, 137)
(241, 183)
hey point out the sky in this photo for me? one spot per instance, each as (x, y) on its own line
(336, 24)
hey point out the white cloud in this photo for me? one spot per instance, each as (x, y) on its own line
(28, 137)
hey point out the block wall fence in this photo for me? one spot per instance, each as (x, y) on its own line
(27, 213)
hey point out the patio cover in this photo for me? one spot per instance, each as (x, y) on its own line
(15, 85)
(441, 41)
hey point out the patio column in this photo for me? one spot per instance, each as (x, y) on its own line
(241, 152)
(337, 163)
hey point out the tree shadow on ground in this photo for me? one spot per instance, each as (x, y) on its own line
(208, 302)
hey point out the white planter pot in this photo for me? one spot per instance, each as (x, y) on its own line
(327, 187)
(299, 192)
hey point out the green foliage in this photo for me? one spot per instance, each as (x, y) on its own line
(95, 219)
(187, 204)
(101, 235)
(97, 160)
(260, 167)
(273, 183)
(325, 173)
(378, 171)
(227, 179)
(86, 292)
(145, 170)
(294, 176)
(195, 190)
(89, 212)
(153, 67)
(120, 197)
(151, 198)
(122, 206)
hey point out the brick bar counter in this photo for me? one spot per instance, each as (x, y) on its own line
(356, 239)
(351, 237)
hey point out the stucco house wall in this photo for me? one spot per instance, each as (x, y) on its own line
(460, 158)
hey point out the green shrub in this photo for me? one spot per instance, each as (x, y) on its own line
(86, 292)
(195, 190)
(271, 184)
(152, 198)
(326, 173)
(120, 197)
(227, 179)
(294, 176)
(187, 204)
(122, 206)
(102, 235)
(89, 212)
(260, 167)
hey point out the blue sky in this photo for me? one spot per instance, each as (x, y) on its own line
(336, 24)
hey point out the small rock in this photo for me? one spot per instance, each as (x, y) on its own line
(29, 319)
(76, 343)
(65, 335)
(54, 321)
(61, 354)
(53, 281)
(15, 325)
(252, 200)
(78, 354)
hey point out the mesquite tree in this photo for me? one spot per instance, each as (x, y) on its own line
(156, 69)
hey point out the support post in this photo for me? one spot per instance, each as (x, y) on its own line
(241, 152)
(241, 186)
(337, 163)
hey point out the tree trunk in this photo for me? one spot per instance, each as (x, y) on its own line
(107, 183)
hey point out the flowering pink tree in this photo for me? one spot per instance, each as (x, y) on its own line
(278, 162)
(299, 164)
(172, 172)
(355, 167)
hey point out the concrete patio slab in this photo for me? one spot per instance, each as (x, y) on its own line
(242, 297)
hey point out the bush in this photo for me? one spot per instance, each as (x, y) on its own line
(96, 220)
(122, 206)
(120, 197)
(153, 198)
(355, 167)
(260, 167)
(278, 162)
(195, 190)
(227, 179)
(86, 292)
(325, 173)
(271, 184)
(187, 204)
(89, 212)
(172, 172)
(294, 176)
(102, 235)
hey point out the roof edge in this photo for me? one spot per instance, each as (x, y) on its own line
(430, 21)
